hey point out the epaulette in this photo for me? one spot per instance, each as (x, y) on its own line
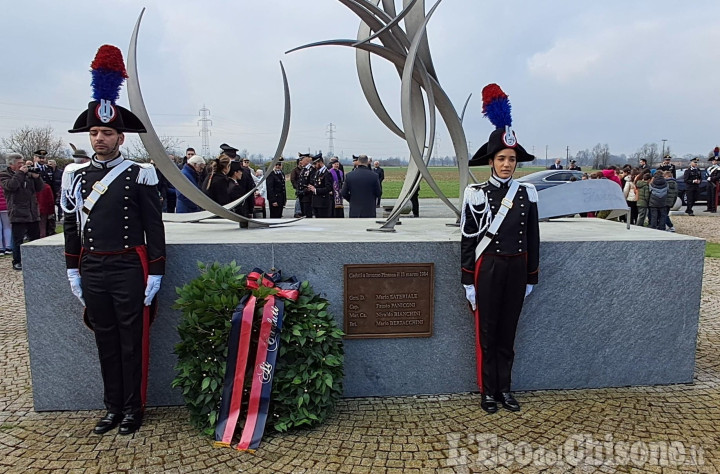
(69, 173)
(147, 174)
(532, 192)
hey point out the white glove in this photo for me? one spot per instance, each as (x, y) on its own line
(470, 295)
(153, 286)
(528, 289)
(73, 275)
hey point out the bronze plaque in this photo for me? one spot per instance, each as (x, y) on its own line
(389, 300)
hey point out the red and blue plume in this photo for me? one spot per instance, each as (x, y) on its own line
(108, 73)
(496, 106)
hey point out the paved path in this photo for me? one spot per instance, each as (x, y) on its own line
(634, 429)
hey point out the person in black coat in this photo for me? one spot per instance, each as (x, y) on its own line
(361, 189)
(321, 189)
(692, 178)
(381, 176)
(306, 178)
(276, 191)
(216, 183)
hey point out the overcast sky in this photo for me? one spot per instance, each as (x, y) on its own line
(577, 73)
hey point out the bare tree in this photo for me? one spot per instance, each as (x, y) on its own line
(600, 156)
(135, 150)
(583, 157)
(648, 152)
(29, 139)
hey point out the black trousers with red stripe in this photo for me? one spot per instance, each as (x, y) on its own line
(113, 288)
(500, 288)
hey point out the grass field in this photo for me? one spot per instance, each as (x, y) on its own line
(446, 178)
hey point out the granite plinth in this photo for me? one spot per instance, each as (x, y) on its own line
(614, 307)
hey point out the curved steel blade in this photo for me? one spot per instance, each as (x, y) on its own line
(156, 150)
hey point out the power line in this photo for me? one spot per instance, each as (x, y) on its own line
(331, 147)
(205, 133)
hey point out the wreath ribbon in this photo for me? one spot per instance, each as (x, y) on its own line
(268, 344)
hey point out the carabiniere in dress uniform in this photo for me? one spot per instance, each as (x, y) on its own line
(499, 251)
(114, 245)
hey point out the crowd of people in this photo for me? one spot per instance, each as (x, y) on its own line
(650, 194)
(320, 189)
(29, 192)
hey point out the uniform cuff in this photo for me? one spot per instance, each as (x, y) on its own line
(157, 266)
(467, 277)
(72, 261)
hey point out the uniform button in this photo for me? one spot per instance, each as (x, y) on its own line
(84, 191)
(522, 205)
(498, 250)
(522, 223)
(126, 227)
(489, 199)
(519, 241)
(126, 246)
(521, 197)
(127, 178)
(89, 229)
(125, 237)
(126, 218)
(522, 213)
(497, 242)
(83, 181)
(88, 219)
(128, 170)
(92, 248)
(127, 187)
(519, 250)
(125, 208)
(90, 239)
(520, 232)
(126, 198)
(84, 173)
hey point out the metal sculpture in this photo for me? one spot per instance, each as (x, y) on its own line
(410, 53)
(154, 146)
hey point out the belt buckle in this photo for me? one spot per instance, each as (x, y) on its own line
(99, 187)
(507, 203)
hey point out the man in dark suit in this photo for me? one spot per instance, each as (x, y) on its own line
(556, 165)
(276, 191)
(361, 189)
(381, 176)
(321, 189)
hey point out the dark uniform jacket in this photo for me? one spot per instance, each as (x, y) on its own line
(692, 174)
(322, 197)
(275, 185)
(361, 189)
(669, 167)
(518, 234)
(307, 177)
(127, 215)
(20, 193)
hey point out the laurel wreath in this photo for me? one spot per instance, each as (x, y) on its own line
(308, 377)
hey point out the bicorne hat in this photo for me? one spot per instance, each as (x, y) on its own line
(108, 74)
(226, 147)
(496, 107)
